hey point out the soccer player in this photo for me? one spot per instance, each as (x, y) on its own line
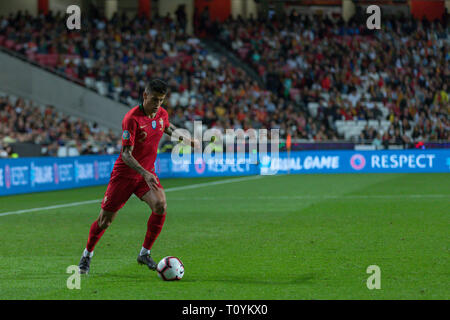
(134, 172)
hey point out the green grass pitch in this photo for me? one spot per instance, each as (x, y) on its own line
(273, 237)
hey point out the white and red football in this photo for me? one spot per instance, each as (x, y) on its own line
(170, 268)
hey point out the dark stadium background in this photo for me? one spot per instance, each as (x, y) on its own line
(320, 109)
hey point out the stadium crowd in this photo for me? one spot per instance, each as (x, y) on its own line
(405, 65)
(22, 121)
(124, 53)
(342, 67)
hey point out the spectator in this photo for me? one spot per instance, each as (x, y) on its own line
(377, 142)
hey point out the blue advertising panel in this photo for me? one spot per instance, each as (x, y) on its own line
(26, 175)
(165, 167)
(386, 161)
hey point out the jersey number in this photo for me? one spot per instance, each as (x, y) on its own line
(143, 136)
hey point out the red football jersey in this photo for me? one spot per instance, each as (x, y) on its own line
(144, 133)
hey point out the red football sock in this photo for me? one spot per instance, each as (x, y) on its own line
(154, 226)
(95, 233)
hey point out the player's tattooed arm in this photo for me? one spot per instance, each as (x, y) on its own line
(130, 161)
(170, 130)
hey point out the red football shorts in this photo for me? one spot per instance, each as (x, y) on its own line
(120, 189)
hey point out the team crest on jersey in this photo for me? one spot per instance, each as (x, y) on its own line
(126, 135)
(154, 124)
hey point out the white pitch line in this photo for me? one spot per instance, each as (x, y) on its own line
(318, 197)
(212, 183)
(73, 204)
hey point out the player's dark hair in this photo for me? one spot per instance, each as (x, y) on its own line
(158, 86)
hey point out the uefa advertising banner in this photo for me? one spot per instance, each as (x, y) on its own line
(388, 161)
(26, 175)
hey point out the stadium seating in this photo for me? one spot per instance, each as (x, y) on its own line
(311, 74)
(307, 57)
(42, 126)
